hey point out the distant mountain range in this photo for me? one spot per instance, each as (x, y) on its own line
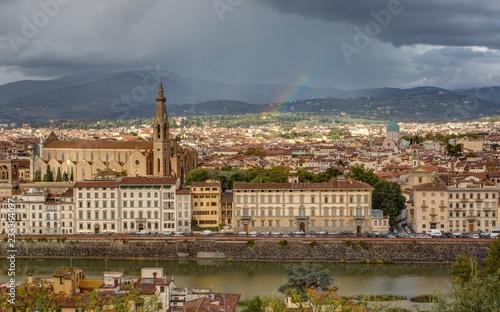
(130, 94)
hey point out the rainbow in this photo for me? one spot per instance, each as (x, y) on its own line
(299, 89)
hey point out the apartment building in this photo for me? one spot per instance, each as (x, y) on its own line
(226, 210)
(340, 205)
(430, 207)
(96, 206)
(183, 199)
(205, 200)
(67, 211)
(473, 206)
(471, 144)
(35, 203)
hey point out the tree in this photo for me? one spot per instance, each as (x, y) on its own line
(493, 259)
(48, 176)
(72, 176)
(256, 304)
(30, 296)
(65, 176)
(237, 176)
(387, 197)
(454, 150)
(315, 301)
(58, 176)
(38, 176)
(255, 151)
(196, 175)
(303, 277)
(464, 269)
(329, 174)
(479, 294)
(359, 173)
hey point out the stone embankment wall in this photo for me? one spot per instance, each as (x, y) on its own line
(322, 250)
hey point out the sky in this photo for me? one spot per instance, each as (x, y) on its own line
(324, 43)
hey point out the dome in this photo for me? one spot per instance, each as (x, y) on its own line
(393, 126)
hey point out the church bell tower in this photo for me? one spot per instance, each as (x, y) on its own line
(161, 137)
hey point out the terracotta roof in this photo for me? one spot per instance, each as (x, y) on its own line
(183, 191)
(96, 183)
(227, 197)
(335, 184)
(100, 144)
(221, 302)
(147, 180)
(434, 186)
(147, 286)
(65, 272)
(200, 184)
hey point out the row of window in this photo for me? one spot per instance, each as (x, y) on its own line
(471, 205)
(104, 214)
(293, 223)
(485, 214)
(302, 212)
(277, 199)
(471, 195)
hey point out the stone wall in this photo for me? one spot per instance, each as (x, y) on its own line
(268, 249)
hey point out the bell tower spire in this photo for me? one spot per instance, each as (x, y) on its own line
(161, 137)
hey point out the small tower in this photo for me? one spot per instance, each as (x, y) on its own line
(161, 137)
(415, 157)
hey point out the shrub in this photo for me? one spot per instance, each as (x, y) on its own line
(71, 242)
(362, 244)
(283, 244)
(312, 245)
(137, 245)
(365, 261)
(250, 243)
(414, 243)
(342, 261)
(348, 244)
(423, 298)
(63, 240)
(229, 260)
(388, 261)
(50, 240)
(5, 239)
(325, 243)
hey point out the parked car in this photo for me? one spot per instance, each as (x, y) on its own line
(168, 233)
(242, 233)
(310, 234)
(252, 233)
(434, 233)
(474, 234)
(143, 232)
(322, 233)
(265, 233)
(206, 233)
(333, 233)
(287, 234)
(275, 234)
(179, 233)
(298, 233)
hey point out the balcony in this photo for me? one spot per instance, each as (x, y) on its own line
(359, 217)
(246, 218)
(433, 213)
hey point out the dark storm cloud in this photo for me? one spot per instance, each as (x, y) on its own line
(437, 42)
(436, 22)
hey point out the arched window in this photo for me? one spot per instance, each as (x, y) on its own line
(77, 157)
(107, 157)
(91, 156)
(48, 216)
(48, 156)
(3, 176)
(158, 164)
(48, 224)
(83, 173)
(55, 216)
(165, 132)
(165, 166)
(62, 156)
(159, 132)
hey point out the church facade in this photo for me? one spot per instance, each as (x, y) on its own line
(162, 156)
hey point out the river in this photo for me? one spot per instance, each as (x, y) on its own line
(256, 278)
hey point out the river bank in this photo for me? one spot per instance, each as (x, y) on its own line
(348, 250)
